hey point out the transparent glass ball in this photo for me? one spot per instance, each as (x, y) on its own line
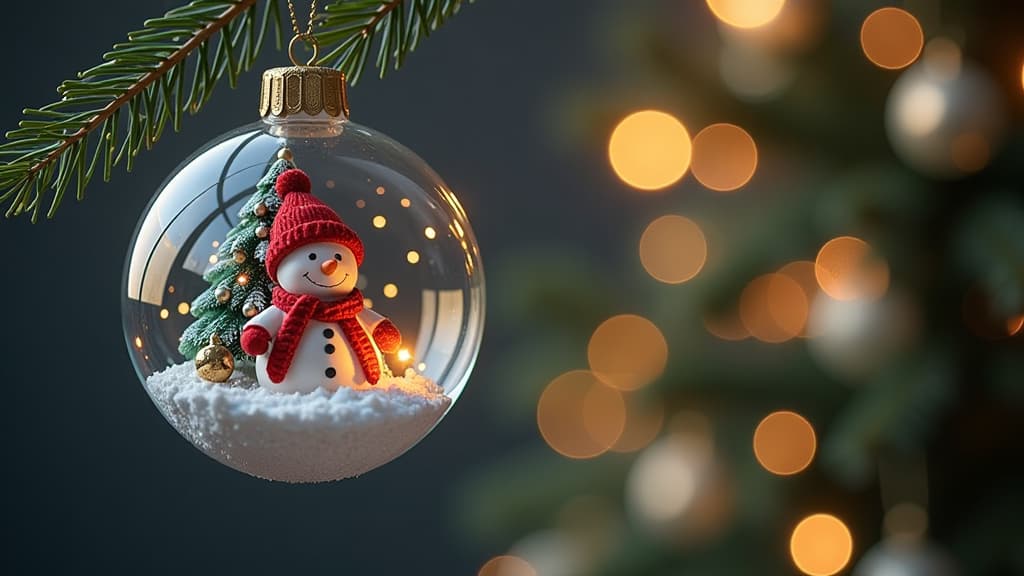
(421, 270)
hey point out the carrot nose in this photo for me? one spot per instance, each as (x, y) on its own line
(329, 266)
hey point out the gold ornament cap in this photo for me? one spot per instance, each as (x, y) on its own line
(311, 90)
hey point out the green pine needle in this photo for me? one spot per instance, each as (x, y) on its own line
(170, 67)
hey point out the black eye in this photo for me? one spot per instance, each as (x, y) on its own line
(337, 257)
(312, 255)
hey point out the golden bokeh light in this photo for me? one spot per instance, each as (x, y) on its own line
(138, 342)
(727, 326)
(165, 313)
(746, 13)
(507, 566)
(412, 256)
(627, 352)
(784, 443)
(242, 279)
(404, 355)
(367, 303)
(1014, 324)
(724, 157)
(821, 545)
(773, 308)
(379, 221)
(644, 420)
(329, 184)
(380, 190)
(848, 269)
(673, 249)
(360, 203)
(650, 150)
(430, 233)
(213, 259)
(183, 308)
(579, 416)
(405, 203)
(891, 38)
(390, 290)
(802, 272)
(970, 152)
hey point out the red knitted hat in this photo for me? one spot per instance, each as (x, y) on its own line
(304, 219)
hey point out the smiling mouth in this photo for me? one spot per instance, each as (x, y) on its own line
(315, 283)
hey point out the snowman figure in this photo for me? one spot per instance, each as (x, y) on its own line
(317, 334)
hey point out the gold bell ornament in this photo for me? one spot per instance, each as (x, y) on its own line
(215, 363)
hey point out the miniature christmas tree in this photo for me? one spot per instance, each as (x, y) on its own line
(239, 285)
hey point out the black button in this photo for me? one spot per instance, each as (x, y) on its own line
(329, 348)
(330, 372)
(328, 333)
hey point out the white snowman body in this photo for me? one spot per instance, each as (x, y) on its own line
(324, 358)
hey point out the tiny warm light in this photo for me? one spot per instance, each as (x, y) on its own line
(970, 152)
(390, 290)
(379, 221)
(802, 272)
(380, 190)
(405, 203)
(213, 258)
(367, 303)
(507, 566)
(627, 352)
(891, 38)
(170, 289)
(746, 13)
(412, 256)
(138, 342)
(421, 366)
(644, 421)
(650, 150)
(673, 249)
(580, 417)
(216, 243)
(724, 157)
(329, 184)
(164, 313)
(821, 545)
(1014, 324)
(404, 355)
(773, 308)
(784, 443)
(906, 520)
(360, 203)
(183, 308)
(847, 269)
(242, 279)
(430, 233)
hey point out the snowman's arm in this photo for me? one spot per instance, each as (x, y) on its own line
(258, 332)
(385, 334)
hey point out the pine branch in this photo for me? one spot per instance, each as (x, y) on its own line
(396, 26)
(110, 112)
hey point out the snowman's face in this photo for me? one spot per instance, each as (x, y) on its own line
(323, 269)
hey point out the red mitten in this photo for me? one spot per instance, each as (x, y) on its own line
(255, 340)
(387, 337)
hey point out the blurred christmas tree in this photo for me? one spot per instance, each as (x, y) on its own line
(819, 367)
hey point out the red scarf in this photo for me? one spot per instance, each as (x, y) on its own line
(299, 310)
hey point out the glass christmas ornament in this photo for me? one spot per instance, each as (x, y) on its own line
(421, 270)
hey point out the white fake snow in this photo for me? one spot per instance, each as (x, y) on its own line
(315, 437)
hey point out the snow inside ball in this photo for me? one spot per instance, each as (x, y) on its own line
(313, 437)
(197, 266)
